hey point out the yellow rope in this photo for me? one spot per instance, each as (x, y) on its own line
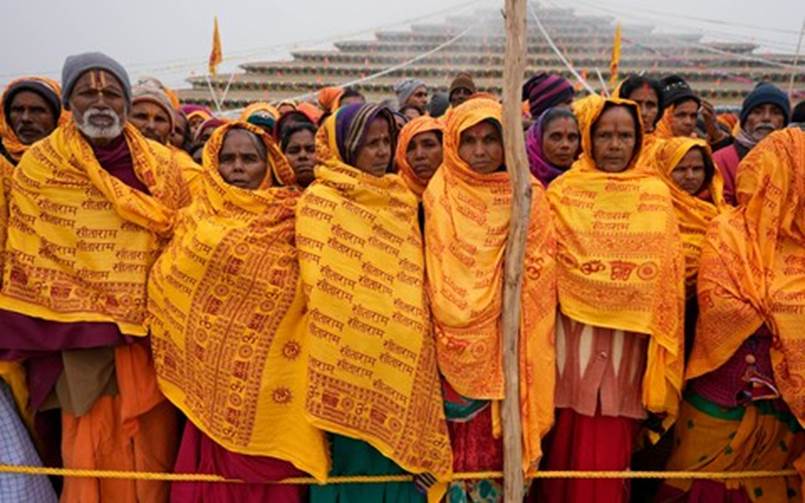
(360, 479)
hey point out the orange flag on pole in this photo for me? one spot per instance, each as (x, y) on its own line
(215, 53)
(616, 57)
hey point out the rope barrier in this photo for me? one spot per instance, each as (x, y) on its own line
(379, 479)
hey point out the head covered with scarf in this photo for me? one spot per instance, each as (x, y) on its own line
(49, 90)
(247, 269)
(540, 166)
(467, 217)
(351, 126)
(693, 212)
(361, 261)
(407, 133)
(620, 255)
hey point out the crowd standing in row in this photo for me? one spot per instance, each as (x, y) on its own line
(315, 289)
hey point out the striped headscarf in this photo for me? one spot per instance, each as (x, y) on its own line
(351, 125)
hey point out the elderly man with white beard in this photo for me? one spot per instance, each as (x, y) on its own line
(89, 209)
(765, 110)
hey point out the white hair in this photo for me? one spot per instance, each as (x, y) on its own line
(95, 132)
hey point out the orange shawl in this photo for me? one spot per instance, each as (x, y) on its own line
(466, 225)
(413, 128)
(80, 241)
(693, 213)
(620, 260)
(329, 98)
(10, 141)
(753, 267)
(372, 370)
(226, 308)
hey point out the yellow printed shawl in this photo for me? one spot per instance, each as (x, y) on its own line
(753, 267)
(466, 228)
(620, 260)
(693, 213)
(226, 307)
(80, 241)
(372, 367)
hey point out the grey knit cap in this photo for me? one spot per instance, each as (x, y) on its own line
(405, 88)
(75, 66)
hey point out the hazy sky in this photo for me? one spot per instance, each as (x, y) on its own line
(170, 39)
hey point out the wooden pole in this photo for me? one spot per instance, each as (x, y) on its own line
(517, 167)
(796, 61)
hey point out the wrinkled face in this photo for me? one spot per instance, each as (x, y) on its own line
(375, 154)
(481, 146)
(691, 171)
(683, 118)
(419, 98)
(152, 120)
(459, 96)
(99, 105)
(764, 119)
(30, 117)
(179, 130)
(560, 141)
(614, 138)
(649, 104)
(424, 154)
(412, 113)
(301, 154)
(240, 162)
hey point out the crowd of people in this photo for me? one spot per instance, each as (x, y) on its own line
(315, 289)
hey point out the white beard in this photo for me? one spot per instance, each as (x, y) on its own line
(96, 132)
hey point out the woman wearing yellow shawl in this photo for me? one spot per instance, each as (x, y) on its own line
(419, 152)
(686, 165)
(226, 307)
(619, 337)
(744, 402)
(372, 381)
(467, 211)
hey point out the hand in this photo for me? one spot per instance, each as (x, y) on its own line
(714, 134)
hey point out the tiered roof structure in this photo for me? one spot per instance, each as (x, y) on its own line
(720, 72)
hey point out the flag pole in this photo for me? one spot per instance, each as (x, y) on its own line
(796, 61)
(516, 165)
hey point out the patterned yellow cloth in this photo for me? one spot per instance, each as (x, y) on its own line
(466, 228)
(80, 241)
(753, 267)
(620, 260)
(226, 306)
(372, 366)
(692, 212)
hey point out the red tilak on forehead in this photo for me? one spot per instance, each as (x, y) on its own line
(647, 87)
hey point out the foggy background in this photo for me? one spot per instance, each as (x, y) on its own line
(171, 39)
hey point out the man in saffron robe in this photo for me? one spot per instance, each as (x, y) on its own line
(90, 207)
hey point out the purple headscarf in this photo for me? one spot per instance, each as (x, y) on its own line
(543, 170)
